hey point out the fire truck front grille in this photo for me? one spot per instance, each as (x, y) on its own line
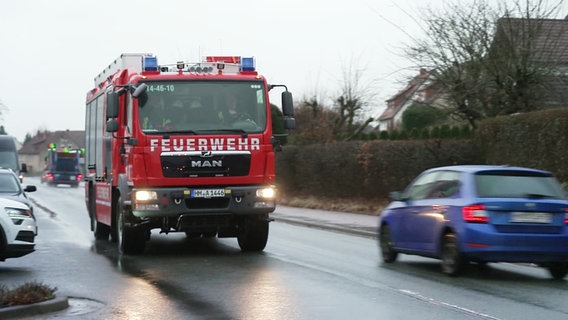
(204, 223)
(222, 165)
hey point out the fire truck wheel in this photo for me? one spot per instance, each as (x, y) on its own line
(130, 240)
(100, 230)
(253, 235)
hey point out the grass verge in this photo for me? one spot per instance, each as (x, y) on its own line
(28, 293)
(361, 206)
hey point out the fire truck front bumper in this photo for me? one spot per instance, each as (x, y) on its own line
(172, 202)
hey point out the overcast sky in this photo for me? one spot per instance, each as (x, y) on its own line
(52, 49)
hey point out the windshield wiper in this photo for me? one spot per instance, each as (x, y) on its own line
(240, 131)
(179, 132)
(170, 132)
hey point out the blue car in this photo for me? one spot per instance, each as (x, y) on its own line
(481, 214)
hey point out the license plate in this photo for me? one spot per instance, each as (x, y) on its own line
(71, 177)
(531, 217)
(207, 193)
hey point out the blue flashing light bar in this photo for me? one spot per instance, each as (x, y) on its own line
(150, 64)
(247, 64)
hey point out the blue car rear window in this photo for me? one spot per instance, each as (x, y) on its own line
(514, 184)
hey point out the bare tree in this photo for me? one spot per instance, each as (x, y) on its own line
(316, 122)
(3, 108)
(342, 117)
(528, 50)
(483, 59)
(27, 138)
(352, 102)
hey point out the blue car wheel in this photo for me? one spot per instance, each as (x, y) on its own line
(453, 261)
(558, 270)
(387, 251)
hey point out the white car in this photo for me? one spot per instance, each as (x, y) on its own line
(18, 229)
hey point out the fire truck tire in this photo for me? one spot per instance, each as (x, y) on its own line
(253, 235)
(130, 240)
(100, 230)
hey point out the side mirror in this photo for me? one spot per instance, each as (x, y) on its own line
(30, 188)
(287, 104)
(288, 110)
(140, 90)
(289, 123)
(397, 196)
(112, 125)
(112, 105)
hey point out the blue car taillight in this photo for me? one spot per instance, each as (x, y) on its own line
(475, 214)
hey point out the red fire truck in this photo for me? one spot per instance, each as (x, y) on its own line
(186, 147)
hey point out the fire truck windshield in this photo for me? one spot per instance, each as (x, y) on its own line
(194, 106)
(67, 165)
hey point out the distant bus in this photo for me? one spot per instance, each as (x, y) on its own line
(9, 154)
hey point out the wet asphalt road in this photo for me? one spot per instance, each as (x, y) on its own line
(304, 273)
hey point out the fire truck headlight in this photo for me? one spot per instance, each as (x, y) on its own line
(145, 195)
(266, 193)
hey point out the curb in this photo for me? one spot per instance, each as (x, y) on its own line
(367, 232)
(55, 304)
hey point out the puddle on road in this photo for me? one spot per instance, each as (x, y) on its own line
(79, 306)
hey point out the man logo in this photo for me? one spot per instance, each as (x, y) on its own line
(206, 154)
(206, 163)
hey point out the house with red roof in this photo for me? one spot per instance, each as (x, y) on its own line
(34, 152)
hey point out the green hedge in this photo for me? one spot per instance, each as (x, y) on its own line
(372, 169)
(365, 169)
(537, 139)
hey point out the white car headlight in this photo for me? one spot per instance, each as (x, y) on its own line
(16, 213)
